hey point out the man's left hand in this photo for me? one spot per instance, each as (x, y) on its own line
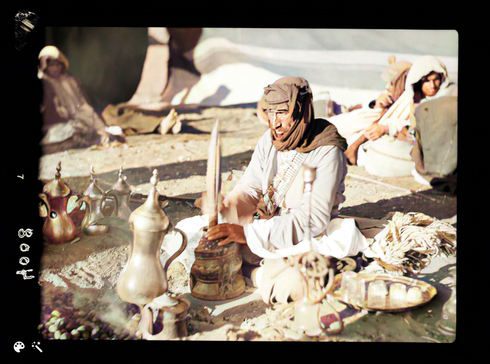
(227, 232)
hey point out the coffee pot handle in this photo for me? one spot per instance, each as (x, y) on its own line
(146, 322)
(110, 194)
(78, 204)
(44, 201)
(178, 252)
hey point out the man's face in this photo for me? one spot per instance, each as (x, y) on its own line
(54, 68)
(279, 122)
(431, 84)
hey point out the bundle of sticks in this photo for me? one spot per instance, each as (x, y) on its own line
(410, 241)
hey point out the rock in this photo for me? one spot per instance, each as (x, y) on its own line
(82, 328)
(75, 334)
(169, 122)
(57, 335)
(62, 323)
(53, 328)
(55, 313)
(65, 336)
(95, 332)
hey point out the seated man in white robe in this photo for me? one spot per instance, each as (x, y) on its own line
(266, 212)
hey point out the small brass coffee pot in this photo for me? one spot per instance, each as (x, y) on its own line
(58, 226)
(121, 192)
(143, 277)
(164, 318)
(93, 197)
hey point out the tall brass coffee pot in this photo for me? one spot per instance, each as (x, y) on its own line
(144, 278)
(121, 192)
(58, 226)
(93, 197)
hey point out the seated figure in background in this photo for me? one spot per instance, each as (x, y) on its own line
(388, 151)
(359, 124)
(68, 119)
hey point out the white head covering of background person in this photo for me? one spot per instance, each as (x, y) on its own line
(50, 52)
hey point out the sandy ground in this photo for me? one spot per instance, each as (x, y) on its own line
(78, 280)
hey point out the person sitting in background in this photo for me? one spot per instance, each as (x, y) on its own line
(68, 119)
(356, 125)
(388, 151)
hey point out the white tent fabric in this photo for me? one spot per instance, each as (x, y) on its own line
(236, 63)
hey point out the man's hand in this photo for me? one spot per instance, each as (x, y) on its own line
(383, 101)
(228, 232)
(376, 131)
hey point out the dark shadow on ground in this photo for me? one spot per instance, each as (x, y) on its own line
(189, 129)
(182, 170)
(441, 207)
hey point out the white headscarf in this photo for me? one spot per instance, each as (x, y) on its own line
(50, 52)
(422, 67)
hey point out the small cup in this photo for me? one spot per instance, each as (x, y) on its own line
(377, 294)
(398, 295)
(414, 295)
(349, 286)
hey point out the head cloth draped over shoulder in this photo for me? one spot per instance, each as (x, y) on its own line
(307, 133)
(396, 75)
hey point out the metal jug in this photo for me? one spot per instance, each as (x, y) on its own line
(93, 197)
(121, 191)
(164, 318)
(58, 226)
(143, 277)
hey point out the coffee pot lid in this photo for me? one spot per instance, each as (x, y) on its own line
(149, 216)
(121, 187)
(57, 187)
(93, 191)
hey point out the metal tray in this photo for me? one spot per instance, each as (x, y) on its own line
(428, 291)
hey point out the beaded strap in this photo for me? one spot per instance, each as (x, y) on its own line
(283, 180)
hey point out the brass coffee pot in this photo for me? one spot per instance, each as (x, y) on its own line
(58, 226)
(121, 192)
(93, 197)
(143, 277)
